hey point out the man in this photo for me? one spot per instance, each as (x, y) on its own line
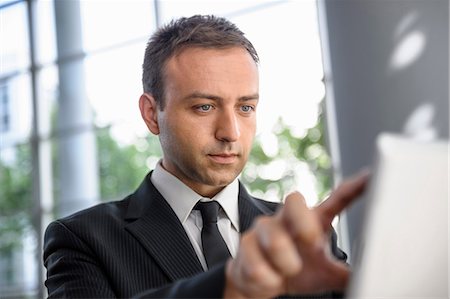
(200, 78)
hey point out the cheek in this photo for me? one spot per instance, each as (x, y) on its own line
(248, 132)
(195, 130)
(171, 135)
(186, 135)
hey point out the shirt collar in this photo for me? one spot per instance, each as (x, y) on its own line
(172, 189)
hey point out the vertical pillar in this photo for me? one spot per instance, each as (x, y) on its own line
(41, 170)
(77, 155)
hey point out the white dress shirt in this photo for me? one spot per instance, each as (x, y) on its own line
(182, 200)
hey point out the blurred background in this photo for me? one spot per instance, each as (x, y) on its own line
(333, 75)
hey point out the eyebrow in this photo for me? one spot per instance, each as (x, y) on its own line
(202, 95)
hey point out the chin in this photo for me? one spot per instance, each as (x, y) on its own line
(218, 176)
(222, 181)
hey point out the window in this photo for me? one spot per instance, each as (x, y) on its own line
(85, 105)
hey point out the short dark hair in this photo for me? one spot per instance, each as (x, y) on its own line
(204, 31)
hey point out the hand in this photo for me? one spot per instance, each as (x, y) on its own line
(288, 253)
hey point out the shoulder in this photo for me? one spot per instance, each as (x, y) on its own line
(90, 223)
(113, 212)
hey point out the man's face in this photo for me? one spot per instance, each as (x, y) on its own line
(208, 123)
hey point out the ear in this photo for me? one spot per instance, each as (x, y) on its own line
(149, 112)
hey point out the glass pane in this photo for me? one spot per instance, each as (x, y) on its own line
(15, 110)
(114, 94)
(290, 62)
(14, 54)
(6, 2)
(45, 32)
(107, 23)
(47, 91)
(17, 238)
(123, 164)
(179, 8)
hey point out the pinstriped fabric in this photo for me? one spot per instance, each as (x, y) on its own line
(88, 256)
(161, 233)
(123, 248)
(250, 208)
(120, 249)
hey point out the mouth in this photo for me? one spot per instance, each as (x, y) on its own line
(223, 158)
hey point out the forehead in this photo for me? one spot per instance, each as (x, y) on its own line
(203, 66)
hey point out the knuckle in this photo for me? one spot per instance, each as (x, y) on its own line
(254, 274)
(277, 244)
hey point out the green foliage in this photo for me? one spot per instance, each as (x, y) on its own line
(122, 168)
(309, 149)
(15, 199)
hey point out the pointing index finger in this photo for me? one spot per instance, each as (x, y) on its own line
(301, 222)
(341, 198)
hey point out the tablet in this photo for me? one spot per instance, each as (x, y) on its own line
(402, 251)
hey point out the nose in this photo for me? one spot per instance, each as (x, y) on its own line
(228, 127)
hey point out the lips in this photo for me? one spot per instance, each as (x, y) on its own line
(223, 158)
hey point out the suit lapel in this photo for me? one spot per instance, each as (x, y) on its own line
(156, 227)
(250, 208)
(159, 230)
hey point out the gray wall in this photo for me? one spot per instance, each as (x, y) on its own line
(386, 67)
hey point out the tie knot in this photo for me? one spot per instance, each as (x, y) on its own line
(209, 210)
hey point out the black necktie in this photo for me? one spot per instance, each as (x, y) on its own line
(214, 247)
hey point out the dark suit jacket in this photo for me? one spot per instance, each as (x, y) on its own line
(134, 246)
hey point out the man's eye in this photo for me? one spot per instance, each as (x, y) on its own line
(204, 108)
(246, 108)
